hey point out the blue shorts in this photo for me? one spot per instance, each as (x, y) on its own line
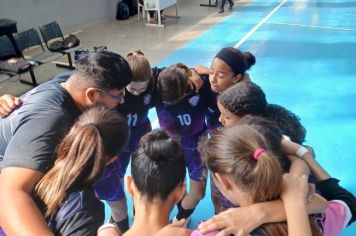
(196, 167)
(109, 186)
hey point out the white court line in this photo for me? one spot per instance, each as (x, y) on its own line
(313, 26)
(259, 25)
(155, 123)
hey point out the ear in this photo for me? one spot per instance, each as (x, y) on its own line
(130, 186)
(223, 181)
(236, 78)
(91, 95)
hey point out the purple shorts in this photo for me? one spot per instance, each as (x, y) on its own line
(109, 187)
(196, 167)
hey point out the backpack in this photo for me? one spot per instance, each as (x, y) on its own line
(70, 41)
(122, 12)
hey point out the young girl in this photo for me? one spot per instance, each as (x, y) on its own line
(181, 112)
(65, 193)
(246, 171)
(228, 67)
(248, 98)
(157, 182)
(137, 102)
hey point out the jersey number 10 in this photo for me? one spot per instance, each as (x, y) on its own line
(184, 119)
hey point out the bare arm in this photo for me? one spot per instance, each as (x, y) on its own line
(298, 166)
(243, 220)
(295, 190)
(19, 214)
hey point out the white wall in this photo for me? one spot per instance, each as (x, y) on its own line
(70, 14)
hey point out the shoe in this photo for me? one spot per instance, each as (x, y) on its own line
(185, 223)
(221, 10)
(231, 4)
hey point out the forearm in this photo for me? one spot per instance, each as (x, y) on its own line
(274, 211)
(20, 216)
(297, 218)
(298, 166)
(317, 170)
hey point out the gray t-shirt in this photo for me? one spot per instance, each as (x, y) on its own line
(30, 134)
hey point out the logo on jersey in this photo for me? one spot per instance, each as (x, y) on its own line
(193, 101)
(210, 110)
(147, 99)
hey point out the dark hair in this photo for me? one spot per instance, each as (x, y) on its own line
(173, 82)
(104, 70)
(238, 61)
(247, 98)
(272, 135)
(244, 98)
(157, 165)
(81, 157)
(287, 121)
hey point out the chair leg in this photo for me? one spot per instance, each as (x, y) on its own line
(65, 66)
(70, 60)
(33, 78)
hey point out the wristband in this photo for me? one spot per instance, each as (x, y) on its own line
(301, 151)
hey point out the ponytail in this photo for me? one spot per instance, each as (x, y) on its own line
(80, 160)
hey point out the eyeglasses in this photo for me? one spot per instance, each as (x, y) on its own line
(116, 97)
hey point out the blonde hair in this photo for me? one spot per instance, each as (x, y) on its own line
(140, 66)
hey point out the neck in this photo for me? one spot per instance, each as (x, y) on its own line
(76, 94)
(150, 217)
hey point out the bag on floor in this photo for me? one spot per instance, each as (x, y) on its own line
(123, 11)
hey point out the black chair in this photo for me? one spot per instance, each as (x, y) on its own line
(8, 52)
(30, 38)
(52, 32)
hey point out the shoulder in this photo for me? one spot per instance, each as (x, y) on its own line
(337, 215)
(81, 213)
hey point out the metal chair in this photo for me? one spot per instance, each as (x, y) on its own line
(7, 51)
(52, 32)
(30, 38)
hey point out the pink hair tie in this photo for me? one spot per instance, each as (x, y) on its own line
(257, 153)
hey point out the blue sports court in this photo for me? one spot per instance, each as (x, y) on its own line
(305, 53)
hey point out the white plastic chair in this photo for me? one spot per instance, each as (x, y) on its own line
(141, 7)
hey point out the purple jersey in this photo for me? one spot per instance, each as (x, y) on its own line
(213, 113)
(186, 117)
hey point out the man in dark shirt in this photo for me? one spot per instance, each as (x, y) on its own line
(30, 134)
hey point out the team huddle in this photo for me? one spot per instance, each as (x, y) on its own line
(66, 144)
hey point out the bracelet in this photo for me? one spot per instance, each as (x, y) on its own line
(301, 151)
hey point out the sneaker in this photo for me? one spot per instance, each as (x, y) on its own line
(221, 10)
(185, 223)
(231, 4)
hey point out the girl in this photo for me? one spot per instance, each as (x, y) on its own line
(181, 112)
(247, 172)
(157, 182)
(65, 193)
(248, 98)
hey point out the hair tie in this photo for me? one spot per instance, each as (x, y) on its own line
(257, 153)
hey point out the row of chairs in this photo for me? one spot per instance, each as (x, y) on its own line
(30, 38)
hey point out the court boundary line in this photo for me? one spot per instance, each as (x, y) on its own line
(155, 123)
(312, 26)
(254, 29)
